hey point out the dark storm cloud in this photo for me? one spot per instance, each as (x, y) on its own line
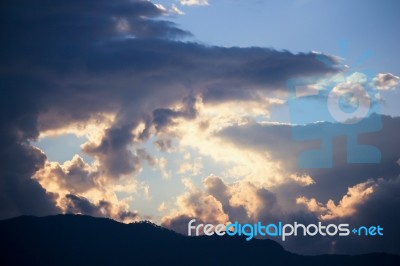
(19, 194)
(179, 223)
(163, 117)
(140, 79)
(68, 23)
(113, 153)
(81, 205)
(128, 216)
(69, 61)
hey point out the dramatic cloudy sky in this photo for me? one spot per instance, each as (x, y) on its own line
(172, 110)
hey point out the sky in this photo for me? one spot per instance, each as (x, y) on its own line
(173, 110)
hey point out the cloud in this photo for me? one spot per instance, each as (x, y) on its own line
(35, 49)
(358, 97)
(113, 154)
(194, 2)
(303, 180)
(162, 165)
(118, 74)
(223, 193)
(366, 204)
(81, 205)
(378, 209)
(165, 116)
(82, 188)
(312, 204)
(345, 193)
(162, 207)
(347, 206)
(191, 166)
(218, 202)
(19, 194)
(175, 10)
(75, 175)
(164, 145)
(194, 204)
(114, 60)
(276, 139)
(387, 81)
(94, 21)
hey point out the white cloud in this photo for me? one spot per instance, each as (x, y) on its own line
(312, 204)
(200, 135)
(162, 164)
(356, 196)
(76, 182)
(162, 207)
(145, 189)
(192, 167)
(303, 180)
(175, 10)
(161, 7)
(194, 2)
(387, 81)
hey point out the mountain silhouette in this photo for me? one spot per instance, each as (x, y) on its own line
(84, 240)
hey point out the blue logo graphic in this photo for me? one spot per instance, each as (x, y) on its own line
(346, 104)
(281, 230)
